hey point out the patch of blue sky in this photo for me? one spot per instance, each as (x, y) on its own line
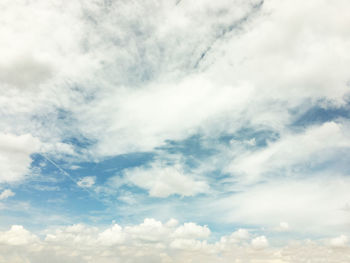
(79, 142)
(193, 147)
(34, 208)
(111, 166)
(54, 191)
(217, 178)
(318, 114)
(44, 173)
(69, 200)
(78, 201)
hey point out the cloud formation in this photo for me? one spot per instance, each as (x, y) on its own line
(164, 181)
(87, 181)
(15, 154)
(153, 241)
(228, 115)
(6, 194)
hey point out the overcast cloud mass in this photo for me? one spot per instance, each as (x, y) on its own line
(174, 131)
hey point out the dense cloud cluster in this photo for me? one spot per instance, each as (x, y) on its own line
(153, 241)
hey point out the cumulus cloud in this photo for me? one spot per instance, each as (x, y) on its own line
(6, 194)
(17, 236)
(239, 236)
(260, 242)
(112, 236)
(81, 243)
(340, 241)
(192, 230)
(162, 181)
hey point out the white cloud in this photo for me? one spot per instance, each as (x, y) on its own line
(236, 82)
(283, 227)
(112, 236)
(17, 236)
(141, 67)
(80, 243)
(172, 223)
(192, 231)
(304, 58)
(130, 75)
(340, 241)
(58, 148)
(15, 155)
(188, 244)
(149, 230)
(24, 72)
(313, 146)
(6, 194)
(311, 205)
(239, 236)
(162, 181)
(87, 181)
(144, 118)
(260, 242)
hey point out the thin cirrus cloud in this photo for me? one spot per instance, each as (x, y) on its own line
(230, 116)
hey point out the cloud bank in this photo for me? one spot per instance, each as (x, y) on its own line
(153, 241)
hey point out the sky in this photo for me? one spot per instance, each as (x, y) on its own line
(174, 131)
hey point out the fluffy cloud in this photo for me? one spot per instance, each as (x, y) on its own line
(260, 242)
(150, 230)
(133, 79)
(163, 181)
(341, 241)
(15, 155)
(17, 236)
(80, 243)
(112, 236)
(6, 194)
(87, 181)
(192, 230)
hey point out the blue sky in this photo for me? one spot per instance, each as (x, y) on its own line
(174, 131)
